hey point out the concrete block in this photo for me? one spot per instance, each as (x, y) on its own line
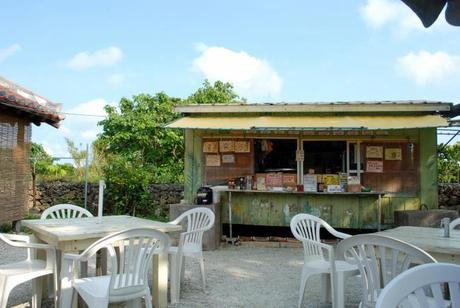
(427, 218)
(211, 238)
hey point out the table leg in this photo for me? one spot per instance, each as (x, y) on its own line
(160, 280)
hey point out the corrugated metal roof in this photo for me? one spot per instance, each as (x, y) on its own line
(315, 107)
(20, 98)
(309, 122)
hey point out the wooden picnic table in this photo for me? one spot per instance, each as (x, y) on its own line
(77, 234)
(429, 239)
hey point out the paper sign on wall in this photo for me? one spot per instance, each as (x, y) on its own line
(374, 166)
(212, 160)
(228, 158)
(242, 147)
(393, 154)
(210, 147)
(374, 152)
(227, 146)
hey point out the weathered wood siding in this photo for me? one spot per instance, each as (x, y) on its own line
(341, 211)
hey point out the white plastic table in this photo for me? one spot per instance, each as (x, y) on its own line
(430, 239)
(74, 235)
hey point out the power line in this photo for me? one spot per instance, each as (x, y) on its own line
(83, 114)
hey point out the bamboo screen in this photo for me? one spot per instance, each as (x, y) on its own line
(15, 142)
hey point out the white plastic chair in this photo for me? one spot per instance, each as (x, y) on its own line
(379, 260)
(319, 258)
(13, 274)
(423, 286)
(65, 211)
(198, 221)
(454, 223)
(130, 253)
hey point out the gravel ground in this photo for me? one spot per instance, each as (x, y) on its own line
(239, 276)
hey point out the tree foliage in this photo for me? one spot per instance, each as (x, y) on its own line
(449, 163)
(217, 93)
(139, 151)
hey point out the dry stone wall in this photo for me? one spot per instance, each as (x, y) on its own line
(50, 193)
(449, 196)
(56, 192)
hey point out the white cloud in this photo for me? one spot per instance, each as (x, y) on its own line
(102, 57)
(397, 16)
(9, 51)
(116, 79)
(82, 127)
(427, 68)
(251, 77)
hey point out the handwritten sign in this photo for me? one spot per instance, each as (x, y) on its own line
(393, 154)
(242, 147)
(374, 152)
(228, 158)
(375, 166)
(212, 160)
(210, 147)
(227, 146)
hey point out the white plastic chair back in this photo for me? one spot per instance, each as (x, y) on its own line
(129, 267)
(198, 221)
(379, 260)
(306, 228)
(454, 223)
(65, 211)
(423, 286)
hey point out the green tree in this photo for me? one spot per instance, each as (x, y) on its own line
(79, 158)
(139, 151)
(218, 93)
(449, 163)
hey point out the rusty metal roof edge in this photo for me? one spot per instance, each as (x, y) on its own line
(339, 106)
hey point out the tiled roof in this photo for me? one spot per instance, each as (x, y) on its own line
(36, 107)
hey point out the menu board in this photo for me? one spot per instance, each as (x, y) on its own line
(242, 146)
(375, 166)
(374, 151)
(213, 160)
(228, 158)
(210, 147)
(393, 154)
(227, 146)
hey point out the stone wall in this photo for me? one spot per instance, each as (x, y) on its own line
(449, 196)
(56, 192)
(50, 193)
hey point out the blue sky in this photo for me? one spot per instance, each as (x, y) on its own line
(87, 54)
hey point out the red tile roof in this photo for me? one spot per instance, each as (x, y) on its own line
(36, 107)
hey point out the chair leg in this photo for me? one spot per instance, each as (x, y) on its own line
(5, 290)
(303, 284)
(203, 276)
(148, 298)
(340, 294)
(325, 288)
(37, 292)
